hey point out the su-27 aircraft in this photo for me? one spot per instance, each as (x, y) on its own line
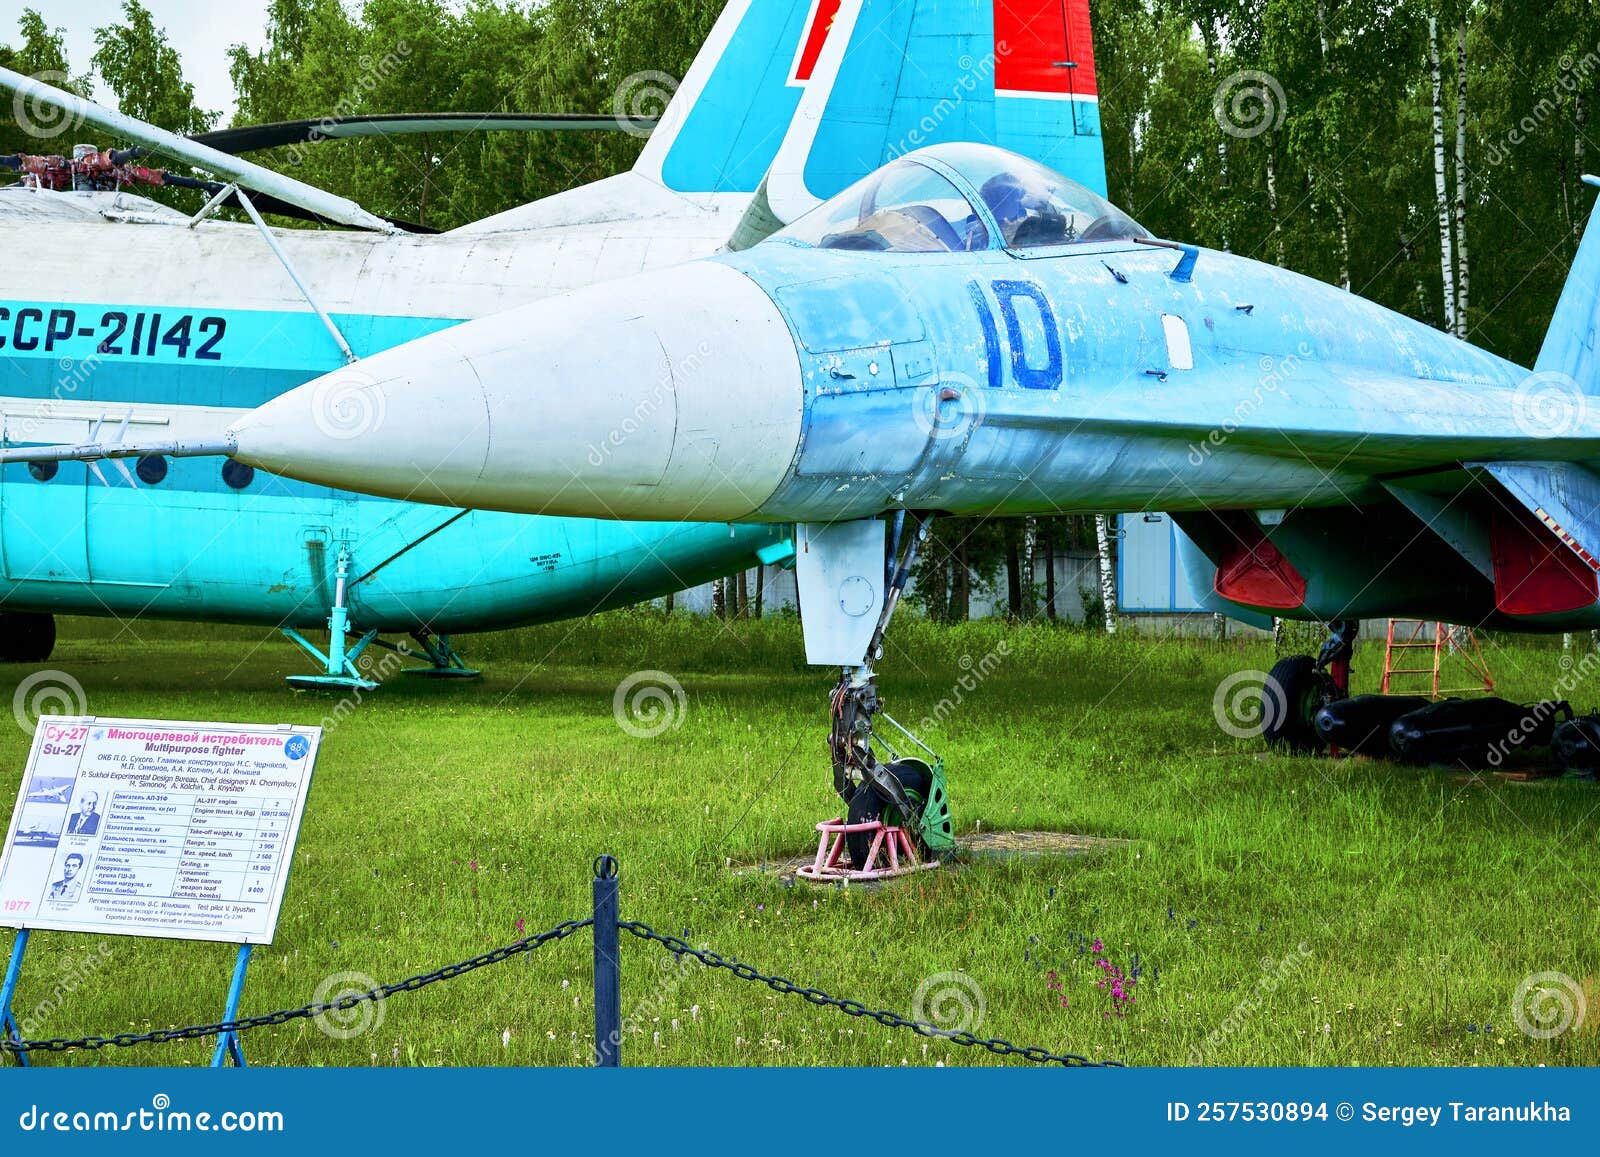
(196, 321)
(968, 332)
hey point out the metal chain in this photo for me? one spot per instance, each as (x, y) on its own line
(681, 947)
(195, 1032)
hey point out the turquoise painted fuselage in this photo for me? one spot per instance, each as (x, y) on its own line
(192, 546)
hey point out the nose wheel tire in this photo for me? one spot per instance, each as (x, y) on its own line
(866, 806)
(26, 638)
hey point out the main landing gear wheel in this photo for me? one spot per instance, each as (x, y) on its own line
(1296, 690)
(1300, 686)
(26, 637)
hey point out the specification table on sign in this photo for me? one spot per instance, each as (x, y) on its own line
(175, 844)
(145, 828)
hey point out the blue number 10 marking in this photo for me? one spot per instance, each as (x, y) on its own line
(1028, 377)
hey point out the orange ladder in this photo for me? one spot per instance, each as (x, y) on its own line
(1408, 636)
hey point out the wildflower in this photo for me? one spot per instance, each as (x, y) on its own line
(519, 926)
(505, 1039)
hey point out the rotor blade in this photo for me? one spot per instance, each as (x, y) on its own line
(220, 164)
(251, 138)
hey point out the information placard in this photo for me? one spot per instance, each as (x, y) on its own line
(150, 828)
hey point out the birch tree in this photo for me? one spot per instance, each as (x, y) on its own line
(1463, 280)
(1441, 192)
(1108, 577)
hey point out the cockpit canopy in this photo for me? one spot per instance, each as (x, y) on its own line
(962, 198)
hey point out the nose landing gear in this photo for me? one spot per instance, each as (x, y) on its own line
(897, 818)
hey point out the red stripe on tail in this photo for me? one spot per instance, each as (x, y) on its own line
(822, 18)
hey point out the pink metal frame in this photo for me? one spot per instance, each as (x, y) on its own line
(892, 854)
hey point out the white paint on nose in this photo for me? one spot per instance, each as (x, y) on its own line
(673, 396)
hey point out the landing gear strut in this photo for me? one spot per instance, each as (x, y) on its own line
(1300, 686)
(343, 666)
(897, 817)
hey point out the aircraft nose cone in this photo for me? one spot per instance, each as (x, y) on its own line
(391, 424)
(670, 396)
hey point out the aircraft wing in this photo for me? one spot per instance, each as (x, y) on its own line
(1361, 420)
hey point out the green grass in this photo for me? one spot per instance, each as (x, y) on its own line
(443, 814)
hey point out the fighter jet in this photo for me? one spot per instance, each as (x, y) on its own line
(967, 331)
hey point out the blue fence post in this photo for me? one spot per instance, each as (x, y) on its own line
(607, 966)
(8, 989)
(228, 1046)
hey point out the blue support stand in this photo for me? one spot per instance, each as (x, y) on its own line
(607, 966)
(8, 1020)
(228, 1043)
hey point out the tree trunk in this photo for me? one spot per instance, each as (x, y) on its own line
(960, 586)
(1580, 118)
(761, 588)
(1272, 202)
(1013, 571)
(1339, 215)
(1210, 34)
(719, 598)
(1441, 193)
(1048, 541)
(1344, 240)
(1108, 577)
(744, 595)
(1030, 555)
(672, 601)
(1463, 280)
